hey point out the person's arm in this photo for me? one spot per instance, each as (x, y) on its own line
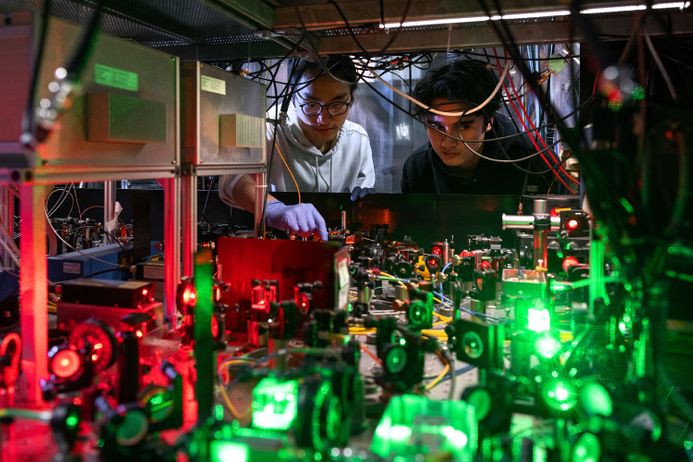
(364, 182)
(243, 191)
(366, 175)
(404, 184)
(302, 219)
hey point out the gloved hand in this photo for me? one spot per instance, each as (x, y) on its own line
(302, 219)
(359, 192)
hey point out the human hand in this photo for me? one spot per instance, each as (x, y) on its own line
(301, 219)
(359, 192)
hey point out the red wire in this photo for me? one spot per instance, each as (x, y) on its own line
(531, 138)
(532, 126)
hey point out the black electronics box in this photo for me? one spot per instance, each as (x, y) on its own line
(122, 294)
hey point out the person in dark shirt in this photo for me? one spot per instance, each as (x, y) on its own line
(453, 162)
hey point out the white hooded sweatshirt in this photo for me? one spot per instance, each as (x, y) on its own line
(348, 164)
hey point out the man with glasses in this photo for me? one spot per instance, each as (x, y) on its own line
(315, 150)
(472, 149)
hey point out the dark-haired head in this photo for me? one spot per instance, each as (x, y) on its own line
(467, 82)
(340, 68)
(322, 95)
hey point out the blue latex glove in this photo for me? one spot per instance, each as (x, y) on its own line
(301, 219)
(358, 192)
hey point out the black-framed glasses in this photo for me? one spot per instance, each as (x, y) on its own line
(333, 109)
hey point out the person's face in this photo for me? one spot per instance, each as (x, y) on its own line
(471, 128)
(322, 128)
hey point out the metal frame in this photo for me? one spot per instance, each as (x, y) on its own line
(33, 179)
(7, 197)
(201, 153)
(34, 274)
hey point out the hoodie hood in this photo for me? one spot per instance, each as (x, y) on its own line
(296, 138)
(347, 164)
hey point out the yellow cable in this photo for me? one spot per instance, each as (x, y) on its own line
(232, 409)
(288, 169)
(361, 331)
(222, 369)
(439, 334)
(442, 318)
(437, 380)
(394, 278)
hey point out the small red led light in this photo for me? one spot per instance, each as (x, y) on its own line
(215, 327)
(572, 224)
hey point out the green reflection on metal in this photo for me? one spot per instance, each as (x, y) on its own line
(587, 448)
(628, 207)
(638, 93)
(396, 360)
(596, 400)
(448, 427)
(615, 106)
(538, 320)
(205, 357)
(597, 278)
(481, 400)
(218, 412)
(160, 406)
(559, 395)
(546, 346)
(275, 404)
(227, 451)
(132, 428)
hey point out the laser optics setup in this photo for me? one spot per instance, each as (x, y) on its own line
(141, 320)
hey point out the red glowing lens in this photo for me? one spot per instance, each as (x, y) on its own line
(569, 262)
(437, 251)
(66, 363)
(215, 327)
(572, 224)
(189, 295)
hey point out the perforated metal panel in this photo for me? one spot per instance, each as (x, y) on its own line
(132, 121)
(223, 117)
(184, 22)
